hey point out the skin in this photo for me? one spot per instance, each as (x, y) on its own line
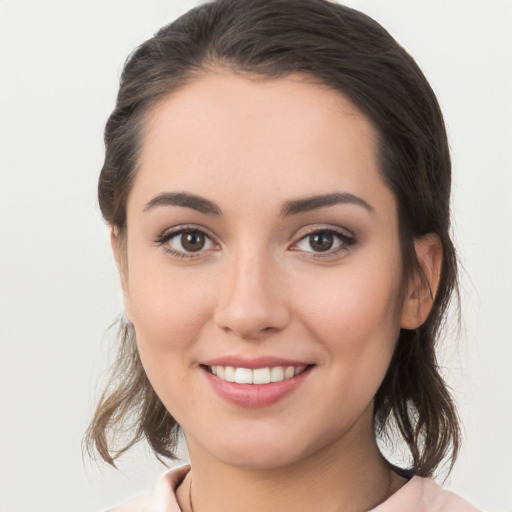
(259, 287)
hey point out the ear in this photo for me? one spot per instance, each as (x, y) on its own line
(422, 286)
(118, 243)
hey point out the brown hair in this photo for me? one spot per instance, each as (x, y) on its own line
(351, 53)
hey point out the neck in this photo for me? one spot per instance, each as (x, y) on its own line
(348, 475)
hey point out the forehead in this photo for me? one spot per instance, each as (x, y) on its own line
(225, 132)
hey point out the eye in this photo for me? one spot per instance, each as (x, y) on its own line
(327, 241)
(185, 242)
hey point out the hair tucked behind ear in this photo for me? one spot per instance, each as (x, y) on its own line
(349, 52)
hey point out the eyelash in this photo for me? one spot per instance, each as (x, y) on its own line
(346, 241)
(168, 235)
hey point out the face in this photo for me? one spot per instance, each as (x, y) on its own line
(262, 245)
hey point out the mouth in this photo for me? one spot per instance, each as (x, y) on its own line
(255, 382)
(258, 376)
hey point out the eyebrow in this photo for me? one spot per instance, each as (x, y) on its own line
(292, 207)
(322, 201)
(184, 199)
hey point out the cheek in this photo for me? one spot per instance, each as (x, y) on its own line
(352, 300)
(355, 314)
(167, 308)
(168, 311)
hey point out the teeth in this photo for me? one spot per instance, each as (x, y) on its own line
(230, 374)
(276, 374)
(243, 376)
(256, 376)
(261, 376)
(298, 369)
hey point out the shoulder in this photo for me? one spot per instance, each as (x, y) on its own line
(135, 505)
(424, 495)
(163, 495)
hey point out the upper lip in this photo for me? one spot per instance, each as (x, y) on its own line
(253, 362)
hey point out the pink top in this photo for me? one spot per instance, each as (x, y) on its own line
(417, 495)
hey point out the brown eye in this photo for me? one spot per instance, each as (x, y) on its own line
(321, 242)
(185, 243)
(330, 242)
(193, 241)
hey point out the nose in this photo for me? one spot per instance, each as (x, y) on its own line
(252, 300)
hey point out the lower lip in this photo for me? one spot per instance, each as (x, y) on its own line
(255, 395)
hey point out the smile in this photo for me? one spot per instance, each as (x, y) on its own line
(270, 382)
(266, 375)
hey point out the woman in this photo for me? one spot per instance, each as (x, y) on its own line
(277, 182)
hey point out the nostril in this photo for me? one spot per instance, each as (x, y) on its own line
(250, 309)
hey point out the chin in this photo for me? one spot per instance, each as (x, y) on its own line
(259, 458)
(257, 451)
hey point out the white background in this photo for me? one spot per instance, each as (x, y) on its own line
(59, 67)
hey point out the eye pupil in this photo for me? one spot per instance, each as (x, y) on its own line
(321, 241)
(193, 241)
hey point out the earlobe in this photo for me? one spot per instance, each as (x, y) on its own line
(115, 243)
(422, 288)
(118, 244)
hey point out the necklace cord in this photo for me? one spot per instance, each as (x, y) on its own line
(190, 495)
